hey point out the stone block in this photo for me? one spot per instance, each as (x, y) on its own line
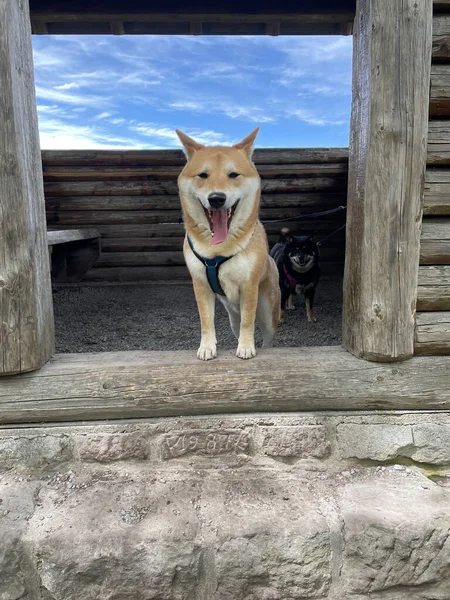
(110, 447)
(301, 442)
(374, 442)
(32, 453)
(432, 443)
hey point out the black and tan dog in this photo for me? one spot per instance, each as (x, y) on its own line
(297, 260)
(220, 193)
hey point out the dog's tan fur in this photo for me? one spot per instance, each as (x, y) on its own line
(250, 278)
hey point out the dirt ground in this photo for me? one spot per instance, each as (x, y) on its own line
(164, 317)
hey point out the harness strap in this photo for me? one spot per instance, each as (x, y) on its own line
(212, 268)
(292, 281)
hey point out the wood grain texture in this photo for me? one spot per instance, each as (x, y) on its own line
(261, 156)
(71, 235)
(391, 74)
(160, 384)
(435, 242)
(433, 297)
(432, 333)
(26, 313)
(441, 38)
(101, 173)
(440, 91)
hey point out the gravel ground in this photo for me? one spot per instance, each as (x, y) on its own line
(164, 317)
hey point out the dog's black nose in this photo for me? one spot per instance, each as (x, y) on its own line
(217, 199)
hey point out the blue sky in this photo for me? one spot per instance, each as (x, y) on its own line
(133, 91)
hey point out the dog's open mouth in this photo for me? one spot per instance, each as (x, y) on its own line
(219, 222)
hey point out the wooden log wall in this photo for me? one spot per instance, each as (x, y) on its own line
(433, 303)
(131, 197)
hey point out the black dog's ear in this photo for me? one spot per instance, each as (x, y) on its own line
(314, 236)
(285, 237)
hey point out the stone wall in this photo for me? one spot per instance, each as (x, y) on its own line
(329, 506)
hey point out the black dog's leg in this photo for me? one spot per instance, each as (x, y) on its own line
(284, 297)
(309, 301)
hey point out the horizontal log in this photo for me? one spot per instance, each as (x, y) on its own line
(152, 258)
(432, 334)
(261, 156)
(440, 91)
(125, 385)
(128, 217)
(437, 176)
(146, 188)
(435, 229)
(318, 201)
(71, 235)
(160, 230)
(435, 252)
(435, 242)
(433, 298)
(102, 173)
(433, 291)
(154, 244)
(441, 38)
(434, 276)
(141, 274)
(436, 205)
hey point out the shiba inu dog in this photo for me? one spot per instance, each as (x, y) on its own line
(225, 247)
(297, 260)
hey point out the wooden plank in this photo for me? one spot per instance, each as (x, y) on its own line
(436, 205)
(261, 156)
(441, 38)
(433, 333)
(432, 298)
(438, 275)
(141, 217)
(123, 385)
(318, 201)
(387, 156)
(435, 252)
(435, 229)
(174, 230)
(26, 313)
(117, 27)
(101, 173)
(335, 246)
(143, 258)
(71, 235)
(146, 188)
(440, 91)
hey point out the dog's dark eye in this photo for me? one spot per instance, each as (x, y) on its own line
(233, 175)
(203, 175)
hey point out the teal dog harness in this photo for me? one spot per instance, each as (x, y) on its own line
(212, 269)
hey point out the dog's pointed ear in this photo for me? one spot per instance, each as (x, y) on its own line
(313, 236)
(247, 143)
(190, 146)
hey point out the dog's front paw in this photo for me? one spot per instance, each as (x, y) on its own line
(246, 351)
(207, 351)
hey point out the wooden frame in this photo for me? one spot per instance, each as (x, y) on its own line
(387, 159)
(389, 122)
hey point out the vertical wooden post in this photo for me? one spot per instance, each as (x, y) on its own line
(391, 80)
(26, 314)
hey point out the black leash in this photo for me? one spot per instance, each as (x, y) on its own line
(305, 217)
(331, 234)
(322, 213)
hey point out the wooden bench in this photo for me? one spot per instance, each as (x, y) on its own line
(72, 252)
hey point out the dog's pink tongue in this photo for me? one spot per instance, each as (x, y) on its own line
(220, 226)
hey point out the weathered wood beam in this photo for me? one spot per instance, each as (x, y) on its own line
(433, 333)
(127, 158)
(71, 235)
(387, 156)
(195, 28)
(26, 314)
(82, 173)
(117, 27)
(156, 384)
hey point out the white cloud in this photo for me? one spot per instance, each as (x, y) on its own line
(103, 115)
(67, 86)
(59, 96)
(169, 135)
(57, 135)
